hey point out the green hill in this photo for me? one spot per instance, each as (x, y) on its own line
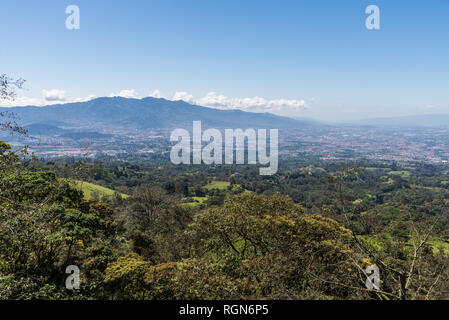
(90, 190)
(220, 185)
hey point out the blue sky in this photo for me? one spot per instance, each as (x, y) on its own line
(277, 56)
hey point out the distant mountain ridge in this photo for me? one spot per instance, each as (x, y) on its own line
(44, 129)
(426, 120)
(146, 113)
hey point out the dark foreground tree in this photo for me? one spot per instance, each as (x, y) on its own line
(8, 87)
(250, 248)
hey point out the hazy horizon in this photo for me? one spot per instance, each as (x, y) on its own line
(303, 116)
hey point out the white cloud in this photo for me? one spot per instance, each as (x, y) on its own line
(89, 97)
(211, 100)
(54, 95)
(181, 95)
(126, 93)
(25, 101)
(255, 104)
(49, 97)
(155, 94)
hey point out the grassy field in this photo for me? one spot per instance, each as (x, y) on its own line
(90, 189)
(439, 245)
(374, 168)
(220, 185)
(403, 173)
(198, 200)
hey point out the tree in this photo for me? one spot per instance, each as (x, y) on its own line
(155, 221)
(410, 267)
(280, 251)
(8, 87)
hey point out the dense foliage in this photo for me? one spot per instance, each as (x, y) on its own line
(224, 232)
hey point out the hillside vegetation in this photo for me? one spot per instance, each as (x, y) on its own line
(93, 191)
(308, 232)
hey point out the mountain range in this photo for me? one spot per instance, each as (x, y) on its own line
(110, 114)
(101, 116)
